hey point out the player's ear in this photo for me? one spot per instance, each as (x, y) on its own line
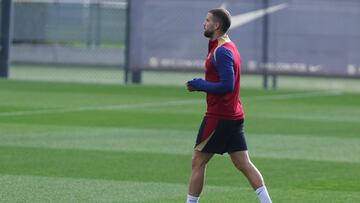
(217, 26)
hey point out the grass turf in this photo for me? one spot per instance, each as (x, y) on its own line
(108, 143)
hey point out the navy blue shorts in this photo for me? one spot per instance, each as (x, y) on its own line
(220, 136)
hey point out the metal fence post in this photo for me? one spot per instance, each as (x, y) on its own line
(127, 43)
(6, 38)
(274, 81)
(265, 45)
(98, 24)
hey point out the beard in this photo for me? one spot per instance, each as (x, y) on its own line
(208, 33)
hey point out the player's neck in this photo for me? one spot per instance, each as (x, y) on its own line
(217, 35)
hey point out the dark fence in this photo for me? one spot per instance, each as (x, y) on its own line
(303, 37)
(90, 32)
(275, 37)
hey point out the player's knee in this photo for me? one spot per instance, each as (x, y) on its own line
(241, 164)
(198, 163)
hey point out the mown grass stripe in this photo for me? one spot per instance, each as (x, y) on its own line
(289, 96)
(95, 108)
(164, 104)
(163, 141)
(311, 117)
(52, 189)
(151, 167)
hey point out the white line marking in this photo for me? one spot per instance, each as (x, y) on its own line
(294, 95)
(168, 103)
(94, 108)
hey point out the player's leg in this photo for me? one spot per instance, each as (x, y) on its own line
(243, 163)
(199, 161)
(205, 148)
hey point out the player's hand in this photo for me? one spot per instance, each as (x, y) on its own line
(194, 84)
(189, 88)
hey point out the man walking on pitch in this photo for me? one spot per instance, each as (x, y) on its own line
(221, 130)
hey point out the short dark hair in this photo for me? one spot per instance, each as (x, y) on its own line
(223, 16)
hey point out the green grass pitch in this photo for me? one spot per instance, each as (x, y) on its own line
(63, 142)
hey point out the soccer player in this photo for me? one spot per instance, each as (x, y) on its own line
(221, 130)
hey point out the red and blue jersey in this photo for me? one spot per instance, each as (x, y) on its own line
(222, 80)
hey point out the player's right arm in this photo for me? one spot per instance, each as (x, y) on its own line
(223, 61)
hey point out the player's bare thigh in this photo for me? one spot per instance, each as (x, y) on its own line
(201, 158)
(240, 158)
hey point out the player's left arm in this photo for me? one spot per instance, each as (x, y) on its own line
(224, 63)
